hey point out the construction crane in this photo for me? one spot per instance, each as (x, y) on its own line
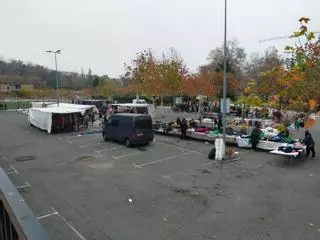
(277, 38)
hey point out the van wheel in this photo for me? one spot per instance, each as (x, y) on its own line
(104, 137)
(127, 142)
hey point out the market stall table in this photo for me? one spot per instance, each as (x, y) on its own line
(265, 145)
(291, 155)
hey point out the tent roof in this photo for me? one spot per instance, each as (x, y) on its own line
(74, 106)
(131, 105)
(59, 110)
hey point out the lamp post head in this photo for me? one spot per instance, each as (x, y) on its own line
(56, 52)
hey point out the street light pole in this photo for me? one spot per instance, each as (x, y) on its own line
(225, 73)
(57, 79)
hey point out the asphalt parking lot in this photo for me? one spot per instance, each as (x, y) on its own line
(80, 187)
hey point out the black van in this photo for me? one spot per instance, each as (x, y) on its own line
(128, 128)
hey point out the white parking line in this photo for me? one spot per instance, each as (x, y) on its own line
(159, 160)
(107, 149)
(14, 170)
(178, 147)
(167, 177)
(94, 145)
(26, 185)
(126, 155)
(47, 215)
(69, 224)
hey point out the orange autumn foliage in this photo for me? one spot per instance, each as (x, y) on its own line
(198, 84)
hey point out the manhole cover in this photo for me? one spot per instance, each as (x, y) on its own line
(25, 158)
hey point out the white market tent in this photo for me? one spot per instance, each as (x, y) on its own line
(40, 104)
(81, 108)
(42, 117)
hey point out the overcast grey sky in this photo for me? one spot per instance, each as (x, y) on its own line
(103, 34)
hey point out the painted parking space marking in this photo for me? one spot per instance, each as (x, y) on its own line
(126, 155)
(47, 215)
(26, 185)
(107, 149)
(13, 170)
(159, 160)
(167, 177)
(177, 146)
(93, 144)
(56, 213)
(80, 236)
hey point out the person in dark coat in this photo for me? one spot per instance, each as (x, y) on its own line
(178, 121)
(92, 117)
(183, 128)
(220, 121)
(309, 142)
(255, 134)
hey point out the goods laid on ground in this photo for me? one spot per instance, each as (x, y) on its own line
(270, 138)
(245, 142)
(204, 130)
(290, 150)
(272, 135)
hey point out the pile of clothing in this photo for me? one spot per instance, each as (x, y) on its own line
(202, 130)
(270, 132)
(163, 127)
(290, 148)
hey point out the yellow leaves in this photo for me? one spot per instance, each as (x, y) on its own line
(304, 20)
(108, 88)
(155, 77)
(310, 36)
(288, 48)
(247, 90)
(252, 100)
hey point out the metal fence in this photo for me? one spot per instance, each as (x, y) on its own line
(17, 221)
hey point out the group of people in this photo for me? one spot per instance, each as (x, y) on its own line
(258, 113)
(193, 106)
(308, 140)
(183, 124)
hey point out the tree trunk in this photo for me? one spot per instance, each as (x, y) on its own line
(243, 113)
(199, 108)
(137, 96)
(162, 106)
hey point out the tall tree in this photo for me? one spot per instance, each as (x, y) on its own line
(107, 88)
(156, 77)
(303, 61)
(235, 67)
(262, 62)
(200, 84)
(89, 78)
(236, 57)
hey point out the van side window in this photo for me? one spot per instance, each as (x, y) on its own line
(143, 123)
(142, 110)
(115, 122)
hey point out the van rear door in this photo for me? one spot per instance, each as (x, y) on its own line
(143, 127)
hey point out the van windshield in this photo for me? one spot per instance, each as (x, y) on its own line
(143, 123)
